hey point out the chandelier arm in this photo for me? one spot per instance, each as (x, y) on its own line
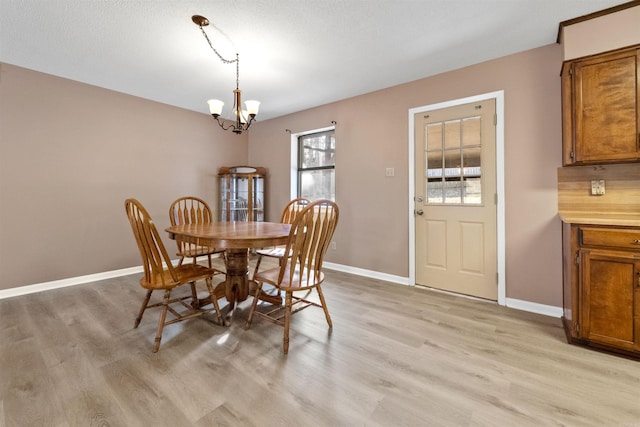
(226, 124)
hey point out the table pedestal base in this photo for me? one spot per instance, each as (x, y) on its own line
(236, 287)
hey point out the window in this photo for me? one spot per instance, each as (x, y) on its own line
(316, 165)
(454, 173)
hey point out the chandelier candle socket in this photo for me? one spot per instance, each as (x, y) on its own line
(242, 118)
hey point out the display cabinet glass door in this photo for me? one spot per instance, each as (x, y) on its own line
(241, 193)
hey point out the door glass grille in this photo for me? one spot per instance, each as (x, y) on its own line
(453, 162)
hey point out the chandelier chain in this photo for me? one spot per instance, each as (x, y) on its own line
(223, 59)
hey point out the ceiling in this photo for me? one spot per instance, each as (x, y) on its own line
(294, 54)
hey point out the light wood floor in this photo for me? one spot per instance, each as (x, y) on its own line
(397, 356)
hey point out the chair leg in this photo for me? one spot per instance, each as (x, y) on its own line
(195, 302)
(163, 317)
(194, 293)
(288, 302)
(214, 299)
(324, 306)
(254, 304)
(255, 270)
(142, 309)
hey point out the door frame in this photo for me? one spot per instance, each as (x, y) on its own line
(500, 206)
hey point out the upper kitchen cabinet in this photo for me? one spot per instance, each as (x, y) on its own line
(600, 113)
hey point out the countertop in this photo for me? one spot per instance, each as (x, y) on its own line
(621, 219)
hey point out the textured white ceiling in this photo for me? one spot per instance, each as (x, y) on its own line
(294, 54)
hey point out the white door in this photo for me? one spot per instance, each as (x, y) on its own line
(455, 199)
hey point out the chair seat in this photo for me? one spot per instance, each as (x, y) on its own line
(195, 251)
(185, 273)
(298, 283)
(275, 252)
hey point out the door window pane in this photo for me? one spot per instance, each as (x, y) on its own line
(472, 191)
(471, 161)
(434, 165)
(471, 131)
(453, 191)
(433, 134)
(434, 191)
(452, 135)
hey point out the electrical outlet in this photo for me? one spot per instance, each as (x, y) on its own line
(597, 187)
(389, 172)
(333, 245)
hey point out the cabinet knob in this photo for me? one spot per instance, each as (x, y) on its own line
(636, 242)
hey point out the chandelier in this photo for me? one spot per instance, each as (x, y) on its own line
(242, 118)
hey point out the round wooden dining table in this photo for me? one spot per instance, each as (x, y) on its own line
(237, 238)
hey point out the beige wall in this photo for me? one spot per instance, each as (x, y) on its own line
(602, 34)
(71, 153)
(372, 134)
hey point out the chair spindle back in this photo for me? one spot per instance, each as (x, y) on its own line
(293, 208)
(150, 245)
(190, 210)
(309, 239)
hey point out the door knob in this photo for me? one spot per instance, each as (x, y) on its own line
(419, 212)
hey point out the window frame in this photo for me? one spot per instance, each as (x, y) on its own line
(296, 159)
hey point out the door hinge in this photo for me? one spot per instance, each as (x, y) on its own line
(495, 119)
(497, 278)
(572, 155)
(577, 328)
(577, 259)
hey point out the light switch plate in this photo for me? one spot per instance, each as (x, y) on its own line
(597, 187)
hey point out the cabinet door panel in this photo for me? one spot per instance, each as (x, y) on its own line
(609, 280)
(606, 94)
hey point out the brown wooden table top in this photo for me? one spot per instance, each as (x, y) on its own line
(232, 235)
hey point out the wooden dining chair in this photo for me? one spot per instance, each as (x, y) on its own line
(289, 214)
(309, 238)
(161, 275)
(192, 210)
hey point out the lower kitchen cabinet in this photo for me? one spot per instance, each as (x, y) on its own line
(602, 287)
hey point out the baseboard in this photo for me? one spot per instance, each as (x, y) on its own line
(533, 307)
(63, 283)
(547, 310)
(367, 273)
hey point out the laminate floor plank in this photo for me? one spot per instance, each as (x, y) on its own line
(396, 356)
(27, 392)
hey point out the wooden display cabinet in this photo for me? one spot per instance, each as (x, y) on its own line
(241, 193)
